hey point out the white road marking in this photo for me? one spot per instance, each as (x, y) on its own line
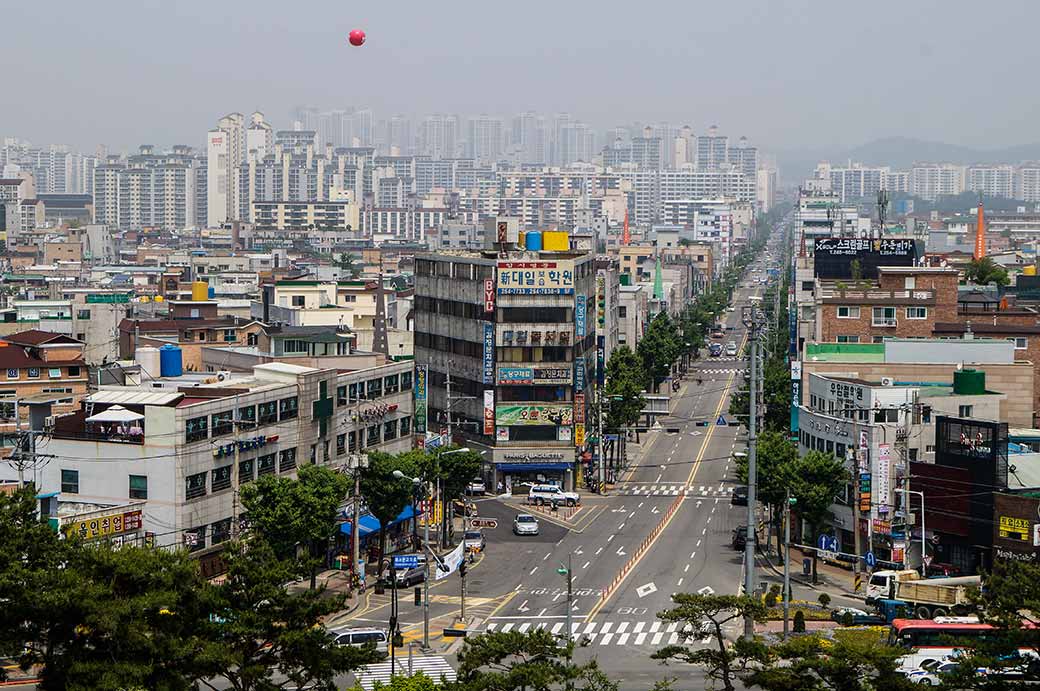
(523, 627)
(606, 627)
(704, 531)
(523, 607)
(606, 639)
(644, 590)
(693, 553)
(632, 514)
(640, 505)
(621, 628)
(638, 627)
(659, 477)
(556, 627)
(697, 545)
(673, 639)
(599, 550)
(622, 639)
(654, 626)
(640, 638)
(621, 527)
(679, 583)
(532, 571)
(506, 627)
(621, 551)
(558, 596)
(656, 639)
(686, 569)
(589, 628)
(610, 538)
(547, 556)
(586, 565)
(543, 611)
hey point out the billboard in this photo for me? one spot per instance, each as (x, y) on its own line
(515, 375)
(534, 414)
(534, 375)
(536, 278)
(489, 353)
(421, 372)
(107, 524)
(833, 256)
(489, 295)
(579, 317)
(579, 373)
(489, 411)
(601, 364)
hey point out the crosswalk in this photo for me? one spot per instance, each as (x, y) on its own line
(623, 633)
(672, 490)
(721, 370)
(433, 666)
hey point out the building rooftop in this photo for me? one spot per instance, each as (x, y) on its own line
(845, 352)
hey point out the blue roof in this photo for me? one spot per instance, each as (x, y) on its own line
(370, 524)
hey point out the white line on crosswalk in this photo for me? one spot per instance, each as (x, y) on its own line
(507, 627)
(657, 639)
(556, 627)
(640, 637)
(523, 627)
(622, 639)
(621, 627)
(654, 626)
(605, 640)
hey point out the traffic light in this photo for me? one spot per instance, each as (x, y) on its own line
(462, 568)
(418, 596)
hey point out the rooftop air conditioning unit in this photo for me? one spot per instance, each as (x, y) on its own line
(887, 381)
(223, 375)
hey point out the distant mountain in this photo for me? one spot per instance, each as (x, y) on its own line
(901, 153)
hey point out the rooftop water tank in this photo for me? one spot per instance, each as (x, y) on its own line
(148, 358)
(533, 241)
(171, 362)
(969, 382)
(199, 291)
(1029, 270)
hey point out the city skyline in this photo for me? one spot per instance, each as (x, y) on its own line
(607, 67)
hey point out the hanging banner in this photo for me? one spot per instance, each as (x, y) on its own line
(601, 365)
(579, 317)
(489, 411)
(883, 474)
(489, 353)
(420, 399)
(452, 560)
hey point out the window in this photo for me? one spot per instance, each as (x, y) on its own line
(286, 459)
(54, 372)
(247, 417)
(221, 478)
(341, 444)
(202, 335)
(220, 531)
(406, 426)
(877, 339)
(138, 486)
(1021, 343)
(195, 486)
(886, 415)
(70, 481)
(916, 312)
(246, 470)
(372, 438)
(288, 408)
(222, 423)
(230, 336)
(884, 316)
(12, 373)
(910, 282)
(390, 430)
(268, 412)
(808, 286)
(195, 539)
(406, 381)
(390, 384)
(848, 339)
(965, 410)
(195, 429)
(314, 453)
(299, 300)
(252, 339)
(265, 465)
(294, 345)
(34, 372)
(74, 371)
(846, 312)
(375, 388)
(82, 314)
(341, 395)
(81, 336)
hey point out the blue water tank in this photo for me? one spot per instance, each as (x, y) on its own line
(533, 241)
(211, 293)
(171, 362)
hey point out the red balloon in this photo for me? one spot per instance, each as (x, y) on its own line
(356, 37)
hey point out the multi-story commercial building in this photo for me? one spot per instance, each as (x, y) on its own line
(515, 334)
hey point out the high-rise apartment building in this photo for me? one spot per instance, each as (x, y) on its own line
(484, 139)
(932, 180)
(529, 142)
(992, 181)
(1027, 182)
(438, 136)
(225, 151)
(712, 150)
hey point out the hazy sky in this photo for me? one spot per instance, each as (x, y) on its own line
(786, 73)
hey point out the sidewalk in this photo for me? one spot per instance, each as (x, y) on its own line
(830, 579)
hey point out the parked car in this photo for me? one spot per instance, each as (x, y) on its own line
(731, 349)
(717, 333)
(360, 637)
(739, 537)
(474, 541)
(409, 577)
(714, 349)
(739, 496)
(858, 617)
(546, 494)
(463, 507)
(525, 524)
(476, 486)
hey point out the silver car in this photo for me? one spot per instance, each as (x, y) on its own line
(525, 524)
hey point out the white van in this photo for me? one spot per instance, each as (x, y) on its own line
(358, 638)
(547, 494)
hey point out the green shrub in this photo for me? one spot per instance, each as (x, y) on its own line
(825, 600)
(799, 622)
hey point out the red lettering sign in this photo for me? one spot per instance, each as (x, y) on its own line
(489, 295)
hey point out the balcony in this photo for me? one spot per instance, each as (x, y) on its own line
(873, 295)
(883, 321)
(76, 428)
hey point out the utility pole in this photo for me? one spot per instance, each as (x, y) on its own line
(787, 560)
(568, 572)
(426, 580)
(753, 321)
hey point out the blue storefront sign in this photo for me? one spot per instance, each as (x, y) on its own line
(601, 365)
(579, 316)
(579, 374)
(489, 353)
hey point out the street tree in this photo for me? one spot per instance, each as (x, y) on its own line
(623, 389)
(531, 661)
(267, 637)
(385, 495)
(775, 452)
(707, 615)
(453, 467)
(812, 663)
(287, 512)
(815, 479)
(658, 349)
(348, 264)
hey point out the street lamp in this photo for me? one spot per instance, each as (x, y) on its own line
(568, 573)
(358, 462)
(924, 568)
(416, 482)
(791, 501)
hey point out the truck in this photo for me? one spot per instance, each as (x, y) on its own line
(924, 598)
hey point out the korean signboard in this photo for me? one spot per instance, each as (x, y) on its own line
(883, 474)
(515, 375)
(489, 411)
(579, 434)
(1015, 528)
(534, 414)
(108, 524)
(489, 295)
(579, 374)
(421, 372)
(579, 317)
(601, 365)
(534, 375)
(536, 278)
(579, 418)
(489, 353)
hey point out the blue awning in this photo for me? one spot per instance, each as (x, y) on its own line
(370, 524)
(528, 467)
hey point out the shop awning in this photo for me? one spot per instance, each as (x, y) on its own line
(370, 524)
(528, 467)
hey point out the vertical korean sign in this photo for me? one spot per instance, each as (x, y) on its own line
(601, 366)
(796, 394)
(421, 372)
(883, 474)
(489, 295)
(489, 353)
(489, 411)
(579, 317)
(579, 418)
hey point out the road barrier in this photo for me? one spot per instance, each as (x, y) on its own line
(643, 547)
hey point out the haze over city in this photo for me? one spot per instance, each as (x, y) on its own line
(788, 74)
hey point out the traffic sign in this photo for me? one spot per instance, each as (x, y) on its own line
(489, 523)
(870, 559)
(828, 543)
(406, 561)
(721, 422)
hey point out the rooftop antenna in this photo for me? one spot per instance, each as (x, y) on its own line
(882, 208)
